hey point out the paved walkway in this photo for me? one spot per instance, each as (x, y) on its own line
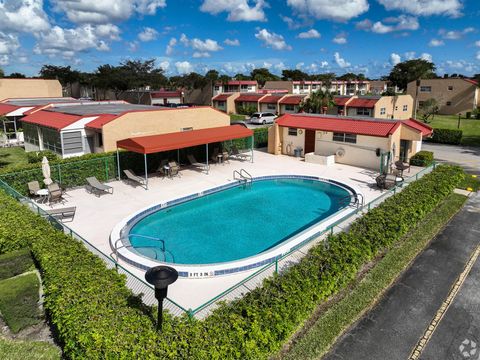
(466, 156)
(393, 328)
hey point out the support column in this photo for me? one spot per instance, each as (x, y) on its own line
(146, 171)
(118, 165)
(178, 157)
(252, 147)
(206, 156)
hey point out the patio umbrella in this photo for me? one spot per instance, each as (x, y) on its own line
(46, 171)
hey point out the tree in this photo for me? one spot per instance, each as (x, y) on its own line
(1, 73)
(261, 75)
(318, 102)
(111, 77)
(212, 75)
(411, 70)
(16, 75)
(295, 75)
(141, 74)
(64, 74)
(348, 77)
(428, 110)
(242, 77)
(476, 77)
(325, 78)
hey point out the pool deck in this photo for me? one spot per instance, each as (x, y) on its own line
(96, 216)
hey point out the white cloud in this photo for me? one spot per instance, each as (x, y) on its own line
(133, 46)
(436, 43)
(395, 59)
(426, 56)
(238, 10)
(425, 7)
(164, 65)
(477, 43)
(279, 67)
(105, 11)
(324, 64)
(478, 55)
(148, 34)
(8, 43)
(201, 54)
(310, 34)
(341, 62)
(340, 38)
(292, 25)
(401, 23)
(410, 55)
(455, 34)
(69, 41)
(23, 16)
(232, 42)
(170, 46)
(364, 25)
(339, 10)
(201, 48)
(272, 40)
(183, 67)
(108, 31)
(4, 60)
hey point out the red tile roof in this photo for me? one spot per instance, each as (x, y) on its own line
(221, 97)
(98, 123)
(179, 140)
(292, 100)
(238, 82)
(341, 100)
(165, 94)
(51, 119)
(5, 108)
(249, 97)
(271, 99)
(424, 128)
(339, 124)
(363, 103)
(471, 81)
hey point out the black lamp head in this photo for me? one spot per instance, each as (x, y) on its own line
(161, 276)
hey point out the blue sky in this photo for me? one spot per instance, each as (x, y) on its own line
(233, 36)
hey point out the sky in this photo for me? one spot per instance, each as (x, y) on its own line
(235, 36)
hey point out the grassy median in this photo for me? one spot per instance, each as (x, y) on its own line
(31, 350)
(334, 321)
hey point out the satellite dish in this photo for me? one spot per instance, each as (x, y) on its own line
(340, 152)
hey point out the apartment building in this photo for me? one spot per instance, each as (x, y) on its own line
(454, 95)
(242, 86)
(29, 88)
(379, 107)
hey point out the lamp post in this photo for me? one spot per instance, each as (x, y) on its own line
(458, 124)
(160, 277)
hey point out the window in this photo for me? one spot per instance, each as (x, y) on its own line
(363, 111)
(405, 107)
(345, 137)
(292, 132)
(217, 88)
(243, 87)
(51, 140)
(450, 87)
(383, 111)
(221, 104)
(72, 142)
(425, 89)
(99, 139)
(449, 103)
(396, 108)
(271, 107)
(289, 107)
(30, 134)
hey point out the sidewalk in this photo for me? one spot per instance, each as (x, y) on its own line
(394, 326)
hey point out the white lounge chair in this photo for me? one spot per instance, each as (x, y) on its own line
(132, 177)
(96, 186)
(196, 164)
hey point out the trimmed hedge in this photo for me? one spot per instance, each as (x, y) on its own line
(447, 136)
(422, 158)
(92, 309)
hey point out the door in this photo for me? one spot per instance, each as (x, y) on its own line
(90, 145)
(404, 147)
(309, 141)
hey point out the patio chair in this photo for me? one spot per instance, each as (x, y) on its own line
(33, 187)
(400, 165)
(174, 168)
(97, 187)
(239, 155)
(62, 214)
(134, 178)
(55, 194)
(214, 157)
(162, 169)
(226, 157)
(196, 164)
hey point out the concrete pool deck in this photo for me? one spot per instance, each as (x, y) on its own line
(96, 216)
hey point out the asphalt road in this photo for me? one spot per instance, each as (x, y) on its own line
(392, 329)
(465, 156)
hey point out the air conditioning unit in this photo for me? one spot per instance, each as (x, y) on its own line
(340, 152)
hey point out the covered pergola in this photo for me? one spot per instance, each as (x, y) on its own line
(179, 140)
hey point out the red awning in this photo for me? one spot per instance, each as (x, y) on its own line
(249, 97)
(221, 97)
(292, 100)
(5, 108)
(363, 103)
(271, 99)
(179, 140)
(341, 101)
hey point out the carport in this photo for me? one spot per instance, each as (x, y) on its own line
(179, 140)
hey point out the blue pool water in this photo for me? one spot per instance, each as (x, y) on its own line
(236, 223)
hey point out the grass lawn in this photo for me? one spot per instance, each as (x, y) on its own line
(19, 301)
(321, 336)
(470, 182)
(470, 127)
(236, 117)
(15, 263)
(13, 155)
(32, 350)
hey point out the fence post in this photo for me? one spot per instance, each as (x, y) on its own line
(276, 266)
(190, 313)
(331, 230)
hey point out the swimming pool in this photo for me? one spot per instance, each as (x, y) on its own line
(227, 225)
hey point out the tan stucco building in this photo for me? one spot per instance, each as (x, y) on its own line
(454, 95)
(358, 142)
(380, 107)
(27, 88)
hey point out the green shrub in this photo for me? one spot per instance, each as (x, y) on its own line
(34, 157)
(422, 158)
(92, 310)
(446, 136)
(247, 110)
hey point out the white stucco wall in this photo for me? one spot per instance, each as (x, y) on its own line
(292, 142)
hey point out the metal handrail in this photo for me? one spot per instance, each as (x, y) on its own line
(247, 173)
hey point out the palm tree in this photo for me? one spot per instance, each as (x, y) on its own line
(318, 102)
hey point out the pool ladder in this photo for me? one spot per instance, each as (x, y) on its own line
(356, 200)
(243, 175)
(154, 248)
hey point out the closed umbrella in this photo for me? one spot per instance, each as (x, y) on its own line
(46, 171)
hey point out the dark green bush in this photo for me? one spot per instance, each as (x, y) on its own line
(15, 263)
(91, 309)
(446, 136)
(37, 156)
(422, 158)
